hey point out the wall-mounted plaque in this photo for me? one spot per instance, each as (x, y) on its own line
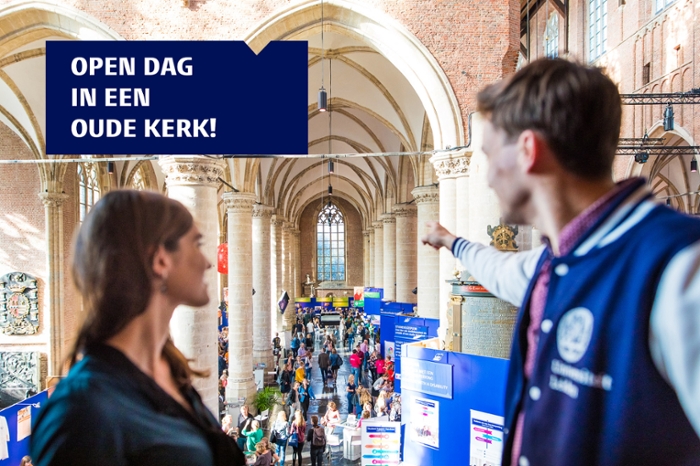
(19, 310)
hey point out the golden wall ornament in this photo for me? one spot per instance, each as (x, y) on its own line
(19, 310)
(503, 236)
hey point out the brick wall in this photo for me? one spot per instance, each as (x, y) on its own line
(22, 230)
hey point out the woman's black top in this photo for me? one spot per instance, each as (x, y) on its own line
(109, 413)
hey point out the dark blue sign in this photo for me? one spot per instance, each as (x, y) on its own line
(427, 377)
(411, 332)
(176, 97)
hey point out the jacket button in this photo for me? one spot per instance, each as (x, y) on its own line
(523, 461)
(535, 393)
(546, 325)
(561, 269)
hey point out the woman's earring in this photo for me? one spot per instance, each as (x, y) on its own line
(164, 286)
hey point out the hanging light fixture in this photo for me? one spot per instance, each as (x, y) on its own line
(331, 167)
(668, 118)
(693, 165)
(110, 167)
(322, 96)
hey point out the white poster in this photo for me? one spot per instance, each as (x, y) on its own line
(24, 423)
(381, 443)
(389, 350)
(425, 422)
(486, 434)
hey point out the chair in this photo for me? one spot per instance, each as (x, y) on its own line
(263, 417)
(335, 446)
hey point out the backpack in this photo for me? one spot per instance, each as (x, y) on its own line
(319, 437)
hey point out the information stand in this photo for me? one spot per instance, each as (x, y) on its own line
(452, 407)
(381, 443)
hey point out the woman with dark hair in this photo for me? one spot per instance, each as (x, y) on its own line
(136, 258)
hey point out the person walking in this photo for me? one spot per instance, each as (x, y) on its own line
(324, 362)
(280, 431)
(351, 393)
(298, 429)
(306, 394)
(336, 361)
(317, 439)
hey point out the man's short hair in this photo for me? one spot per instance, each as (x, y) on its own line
(575, 108)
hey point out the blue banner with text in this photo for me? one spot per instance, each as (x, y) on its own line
(176, 97)
(427, 377)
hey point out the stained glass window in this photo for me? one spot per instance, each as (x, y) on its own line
(330, 244)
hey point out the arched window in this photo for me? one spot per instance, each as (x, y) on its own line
(88, 188)
(139, 180)
(597, 28)
(551, 37)
(330, 244)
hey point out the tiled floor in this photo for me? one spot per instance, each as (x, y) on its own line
(323, 396)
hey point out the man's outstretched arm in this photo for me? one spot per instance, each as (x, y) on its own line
(505, 274)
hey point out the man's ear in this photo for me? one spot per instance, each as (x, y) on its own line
(533, 152)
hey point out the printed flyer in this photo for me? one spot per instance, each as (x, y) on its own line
(381, 442)
(425, 422)
(486, 434)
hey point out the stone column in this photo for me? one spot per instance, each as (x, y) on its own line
(290, 313)
(193, 180)
(428, 262)
(370, 266)
(276, 283)
(389, 256)
(378, 254)
(452, 169)
(296, 263)
(53, 315)
(365, 257)
(406, 271)
(241, 384)
(262, 331)
(484, 209)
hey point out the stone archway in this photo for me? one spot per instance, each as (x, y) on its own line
(390, 39)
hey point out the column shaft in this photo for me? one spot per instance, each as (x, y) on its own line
(241, 384)
(389, 256)
(53, 210)
(370, 266)
(406, 252)
(290, 313)
(378, 254)
(193, 180)
(365, 258)
(428, 262)
(276, 269)
(262, 330)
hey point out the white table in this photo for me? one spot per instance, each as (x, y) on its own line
(350, 434)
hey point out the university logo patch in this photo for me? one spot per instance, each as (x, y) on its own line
(574, 334)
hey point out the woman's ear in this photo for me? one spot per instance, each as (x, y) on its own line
(162, 263)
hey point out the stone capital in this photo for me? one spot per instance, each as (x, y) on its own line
(262, 211)
(289, 226)
(426, 194)
(53, 199)
(192, 170)
(296, 233)
(388, 218)
(365, 233)
(277, 220)
(239, 202)
(378, 225)
(405, 210)
(451, 164)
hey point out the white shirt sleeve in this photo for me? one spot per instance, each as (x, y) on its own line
(674, 337)
(505, 274)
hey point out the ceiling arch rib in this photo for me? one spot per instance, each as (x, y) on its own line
(341, 182)
(317, 198)
(315, 165)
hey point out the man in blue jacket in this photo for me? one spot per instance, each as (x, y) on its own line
(605, 362)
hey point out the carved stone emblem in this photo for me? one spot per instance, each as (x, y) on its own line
(19, 311)
(20, 373)
(503, 236)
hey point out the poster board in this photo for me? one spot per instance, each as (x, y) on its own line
(485, 438)
(381, 443)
